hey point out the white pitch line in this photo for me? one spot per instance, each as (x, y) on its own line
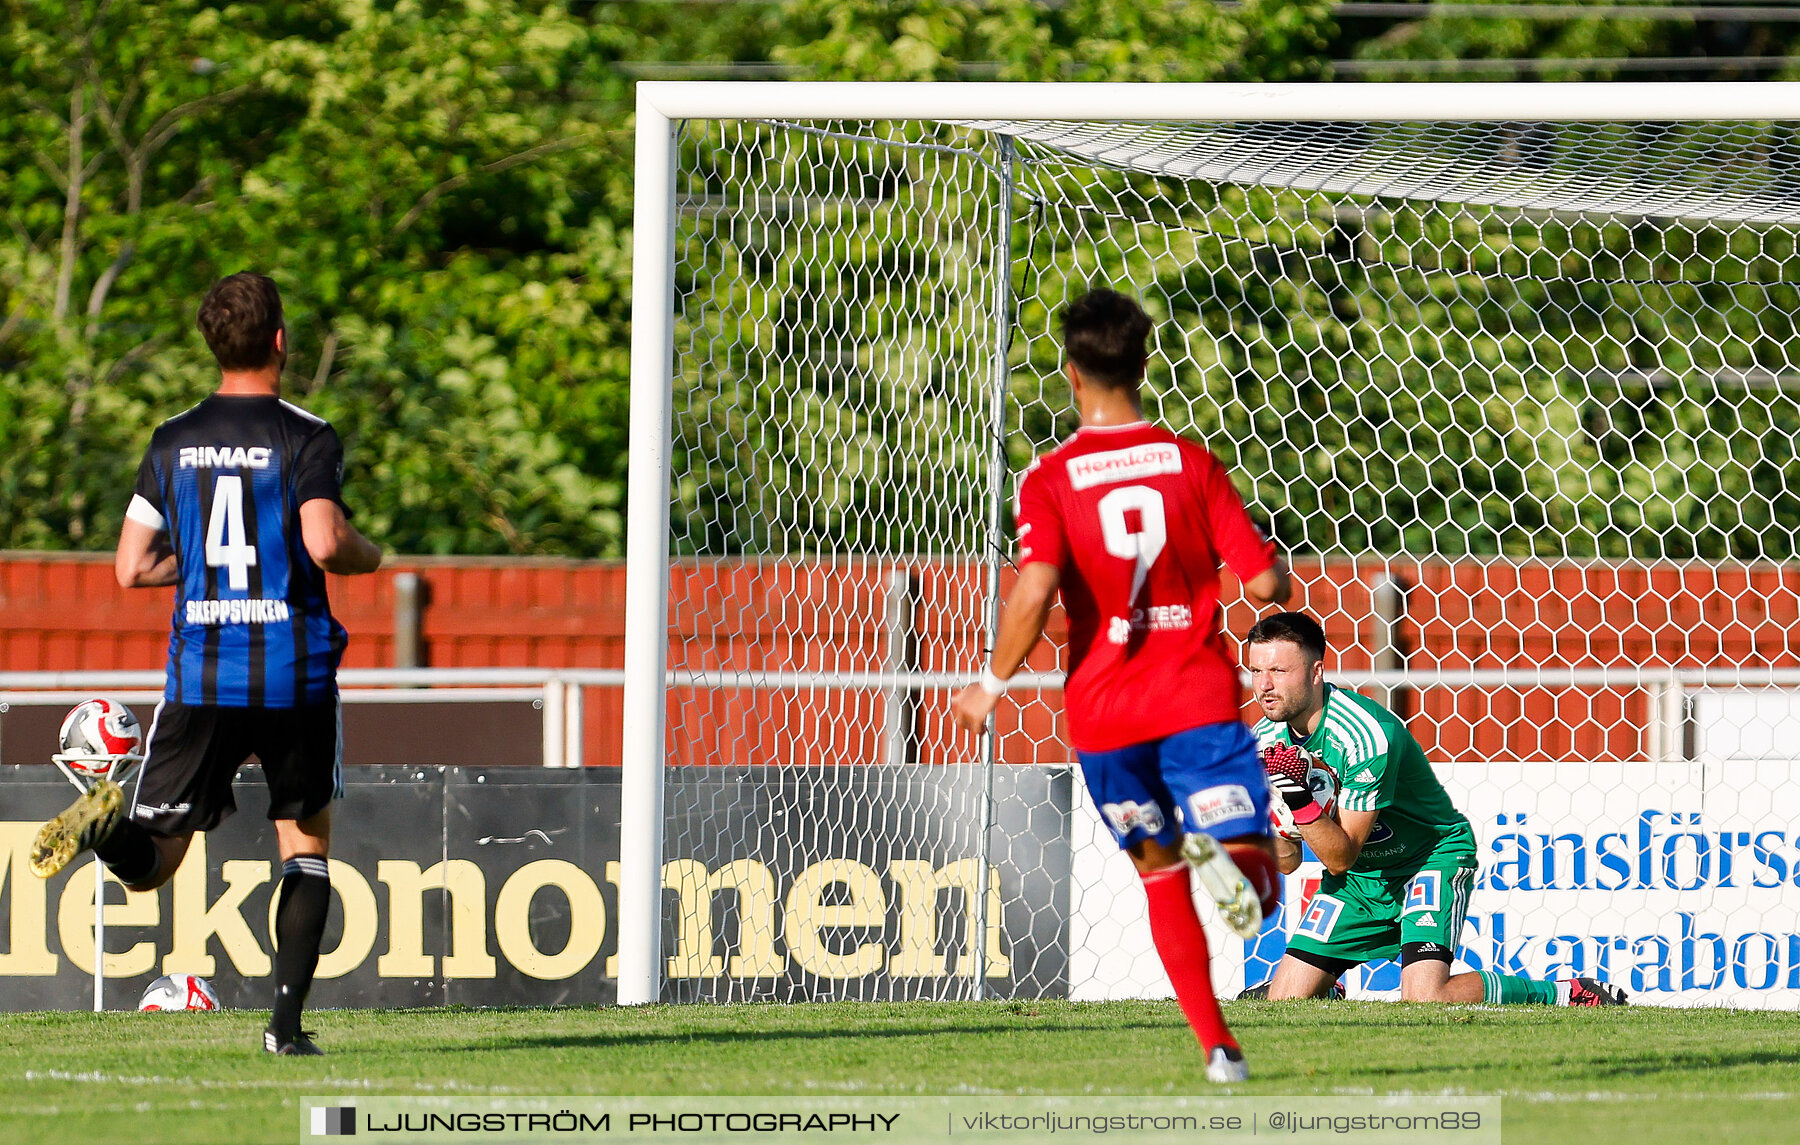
(1603, 1096)
(1546, 1096)
(269, 1083)
(121, 1107)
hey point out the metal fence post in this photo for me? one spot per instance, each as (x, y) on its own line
(900, 738)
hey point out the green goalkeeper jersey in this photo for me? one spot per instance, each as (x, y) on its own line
(1383, 769)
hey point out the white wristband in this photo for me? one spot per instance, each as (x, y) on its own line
(992, 684)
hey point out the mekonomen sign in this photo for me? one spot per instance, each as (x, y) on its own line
(499, 887)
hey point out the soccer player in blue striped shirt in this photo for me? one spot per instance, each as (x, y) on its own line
(239, 507)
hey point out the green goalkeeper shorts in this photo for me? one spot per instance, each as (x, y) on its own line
(1363, 916)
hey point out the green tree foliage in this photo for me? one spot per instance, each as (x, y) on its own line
(1438, 379)
(1447, 34)
(440, 191)
(1152, 41)
(1450, 36)
(1388, 374)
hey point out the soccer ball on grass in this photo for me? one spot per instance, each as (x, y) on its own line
(179, 992)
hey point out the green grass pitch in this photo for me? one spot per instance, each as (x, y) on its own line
(1617, 1076)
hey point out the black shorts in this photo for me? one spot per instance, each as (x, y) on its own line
(194, 753)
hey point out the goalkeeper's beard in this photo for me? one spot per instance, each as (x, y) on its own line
(1282, 710)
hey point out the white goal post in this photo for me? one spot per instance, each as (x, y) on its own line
(1008, 111)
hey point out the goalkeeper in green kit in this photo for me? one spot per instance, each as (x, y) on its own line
(1399, 857)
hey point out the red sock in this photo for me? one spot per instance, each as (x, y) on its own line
(1181, 944)
(1260, 868)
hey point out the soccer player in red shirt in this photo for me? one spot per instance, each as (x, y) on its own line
(1131, 522)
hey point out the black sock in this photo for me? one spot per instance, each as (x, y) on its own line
(130, 853)
(299, 927)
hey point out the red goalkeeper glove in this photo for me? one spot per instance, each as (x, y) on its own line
(1287, 767)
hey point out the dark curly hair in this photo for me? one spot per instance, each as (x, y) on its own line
(1104, 333)
(239, 319)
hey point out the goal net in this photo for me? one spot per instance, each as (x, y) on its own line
(1517, 400)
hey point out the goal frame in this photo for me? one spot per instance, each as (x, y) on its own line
(663, 105)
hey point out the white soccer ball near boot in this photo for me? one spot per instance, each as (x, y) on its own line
(180, 992)
(1323, 780)
(98, 735)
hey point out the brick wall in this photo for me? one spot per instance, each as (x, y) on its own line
(64, 612)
